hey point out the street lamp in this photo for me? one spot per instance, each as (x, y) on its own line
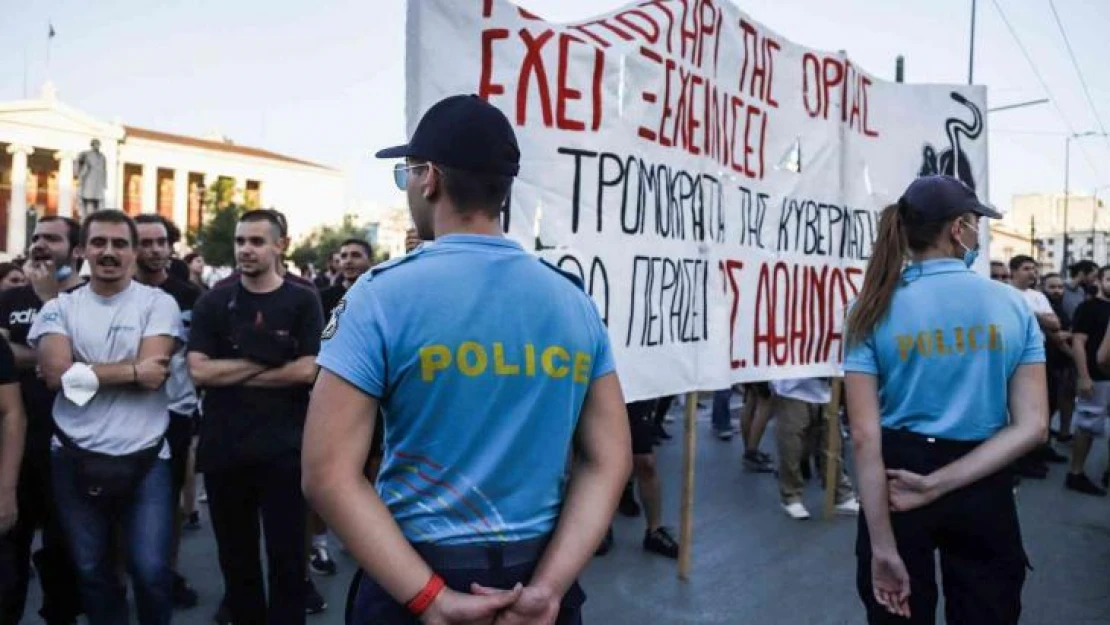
(1067, 184)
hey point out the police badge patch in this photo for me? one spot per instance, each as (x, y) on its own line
(333, 323)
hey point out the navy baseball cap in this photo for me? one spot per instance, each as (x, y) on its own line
(464, 132)
(939, 197)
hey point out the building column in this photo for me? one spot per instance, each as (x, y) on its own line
(150, 189)
(17, 207)
(181, 198)
(65, 182)
(113, 189)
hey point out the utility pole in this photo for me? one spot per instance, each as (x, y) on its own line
(900, 69)
(971, 51)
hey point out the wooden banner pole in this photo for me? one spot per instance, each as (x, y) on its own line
(832, 447)
(686, 529)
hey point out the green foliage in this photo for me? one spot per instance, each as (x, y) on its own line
(215, 240)
(315, 248)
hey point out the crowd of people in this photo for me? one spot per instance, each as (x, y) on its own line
(124, 373)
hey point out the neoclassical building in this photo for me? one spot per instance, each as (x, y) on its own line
(148, 171)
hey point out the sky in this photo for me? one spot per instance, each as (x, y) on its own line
(324, 80)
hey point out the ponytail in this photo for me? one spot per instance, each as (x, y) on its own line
(884, 271)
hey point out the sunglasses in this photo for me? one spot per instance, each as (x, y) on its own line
(401, 173)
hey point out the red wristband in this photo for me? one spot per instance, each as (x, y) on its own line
(423, 599)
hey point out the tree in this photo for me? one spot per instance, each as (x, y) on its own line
(215, 239)
(315, 248)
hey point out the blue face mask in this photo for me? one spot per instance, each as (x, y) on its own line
(970, 255)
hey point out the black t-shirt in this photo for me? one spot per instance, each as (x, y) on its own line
(1055, 358)
(1091, 318)
(8, 374)
(330, 297)
(18, 309)
(244, 425)
(184, 293)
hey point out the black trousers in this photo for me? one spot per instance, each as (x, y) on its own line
(975, 529)
(61, 602)
(236, 499)
(494, 566)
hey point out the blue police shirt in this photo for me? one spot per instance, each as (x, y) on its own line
(481, 355)
(945, 352)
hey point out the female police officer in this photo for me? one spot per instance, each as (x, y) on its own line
(946, 387)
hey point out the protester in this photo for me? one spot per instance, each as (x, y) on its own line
(330, 274)
(507, 355)
(152, 269)
(932, 466)
(252, 348)
(112, 463)
(13, 429)
(1082, 285)
(355, 258)
(1060, 361)
(52, 269)
(801, 430)
(11, 277)
(196, 265)
(1092, 405)
(1000, 272)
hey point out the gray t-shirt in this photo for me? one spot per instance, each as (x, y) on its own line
(103, 330)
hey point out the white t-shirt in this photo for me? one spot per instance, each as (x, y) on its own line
(1038, 302)
(123, 419)
(809, 390)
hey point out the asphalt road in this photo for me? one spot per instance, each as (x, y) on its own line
(754, 565)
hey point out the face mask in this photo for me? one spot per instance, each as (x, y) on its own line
(63, 272)
(970, 255)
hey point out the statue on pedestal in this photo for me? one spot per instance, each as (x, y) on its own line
(92, 177)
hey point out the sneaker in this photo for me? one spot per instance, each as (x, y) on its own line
(796, 511)
(223, 615)
(628, 506)
(661, 542)
(182, 594)
(192, 522)
(1033, 470)
(1048, 454)
(848, 507)
(1080, 483)
(724, 435)
(606, 544)
(313, 602)
(321, 562)
(755, 463)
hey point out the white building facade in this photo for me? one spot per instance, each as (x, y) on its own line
(148, 171)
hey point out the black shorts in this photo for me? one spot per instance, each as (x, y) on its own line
(975, 529)
(180, 436)
(642, 423)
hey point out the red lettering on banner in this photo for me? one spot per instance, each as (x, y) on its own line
(487, 8)
(533, 65)
(823, 77)
(486, 86)
(797, 308)
(651, 36)
(564, 92)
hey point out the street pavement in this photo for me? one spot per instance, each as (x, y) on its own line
(751, 564)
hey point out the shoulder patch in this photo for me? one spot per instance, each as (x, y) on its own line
(569, 276)
(333, 323)
(395, 262)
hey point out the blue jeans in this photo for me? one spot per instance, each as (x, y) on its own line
(722, 422)
(147, 518)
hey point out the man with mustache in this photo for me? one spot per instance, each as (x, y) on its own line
(106, 347)
(51, 269)
(252, 347)
(153, 269)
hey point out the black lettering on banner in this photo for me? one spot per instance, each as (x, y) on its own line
(753, 210)
(686, 205)
(815, 228)
(596, 283)
(669, 301)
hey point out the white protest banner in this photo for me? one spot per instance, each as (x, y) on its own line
(716, 186)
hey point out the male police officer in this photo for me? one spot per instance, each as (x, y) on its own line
(486, 379)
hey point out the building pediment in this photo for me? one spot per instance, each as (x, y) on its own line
(55, 117)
